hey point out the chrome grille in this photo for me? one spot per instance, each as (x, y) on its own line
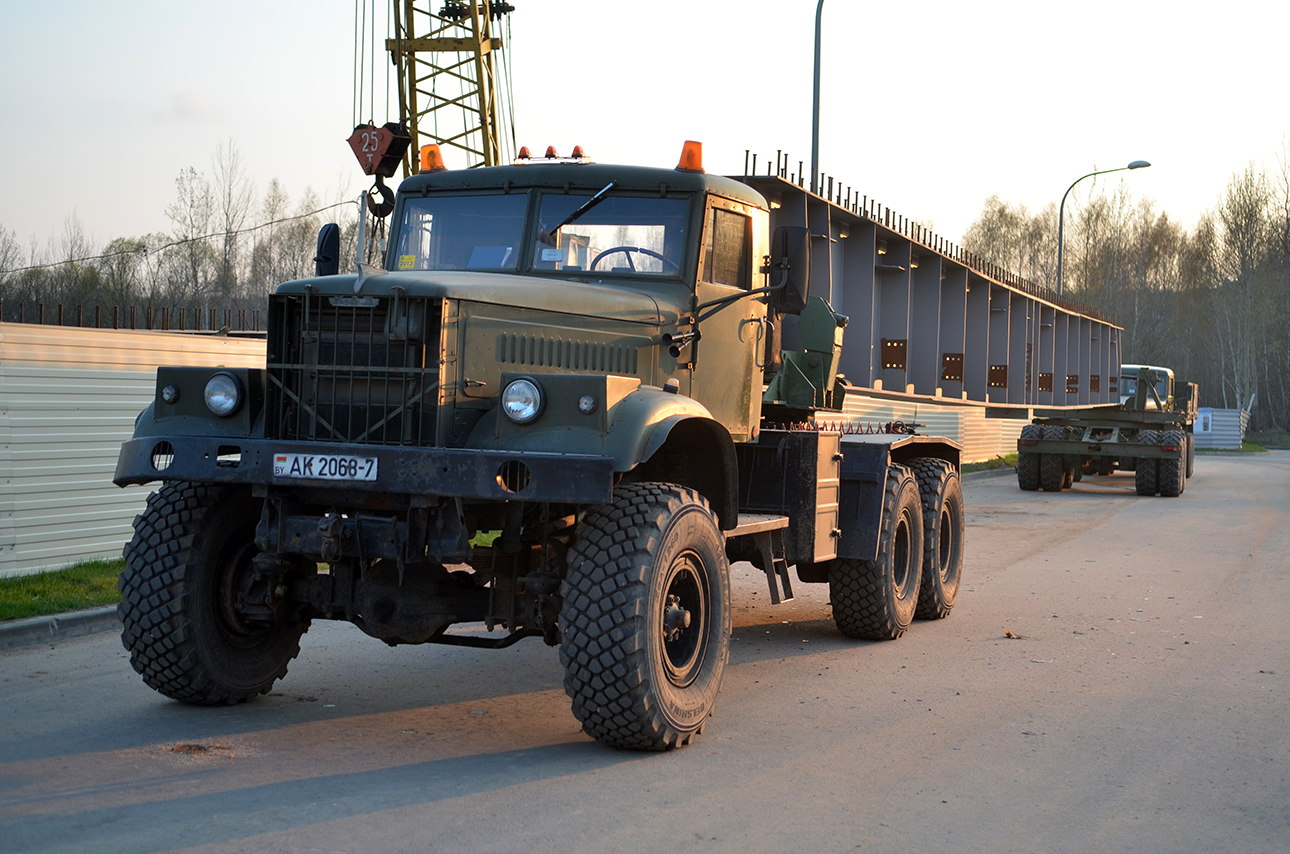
(353, 369)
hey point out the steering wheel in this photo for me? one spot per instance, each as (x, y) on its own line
(628, 250)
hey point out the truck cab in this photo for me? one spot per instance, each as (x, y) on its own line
(1164, 385)
(541, 414)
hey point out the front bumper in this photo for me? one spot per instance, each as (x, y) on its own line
(455, 472)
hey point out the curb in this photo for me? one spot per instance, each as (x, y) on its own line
(56, 627)
(988, 473)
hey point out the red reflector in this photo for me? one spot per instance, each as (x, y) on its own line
(1169, 447)
(1027, 442)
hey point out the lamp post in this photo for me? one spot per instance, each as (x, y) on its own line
(815, 104)
(1061, 210)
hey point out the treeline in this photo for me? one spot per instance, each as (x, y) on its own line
(227, 248)
(1211, 302)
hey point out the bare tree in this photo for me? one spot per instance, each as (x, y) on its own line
(233, 195)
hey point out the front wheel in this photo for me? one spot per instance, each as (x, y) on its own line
(645, 621)
(191, 550)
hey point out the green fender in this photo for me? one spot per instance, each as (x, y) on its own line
(630, 422)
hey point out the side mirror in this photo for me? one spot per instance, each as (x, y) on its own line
(327, 258)
(790, 265)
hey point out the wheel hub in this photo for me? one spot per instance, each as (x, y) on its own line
(675, 619)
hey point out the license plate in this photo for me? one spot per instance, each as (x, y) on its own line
(324, 467)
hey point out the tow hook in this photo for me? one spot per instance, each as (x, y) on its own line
(332, 529)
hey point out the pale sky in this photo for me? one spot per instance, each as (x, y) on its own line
(927, 107)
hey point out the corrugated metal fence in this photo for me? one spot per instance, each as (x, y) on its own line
(68, 399)
(1221, 429)
(982, 438)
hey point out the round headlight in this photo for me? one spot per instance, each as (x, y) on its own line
(223, 394)
(522, 401)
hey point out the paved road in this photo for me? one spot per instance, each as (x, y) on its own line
(1142, 708)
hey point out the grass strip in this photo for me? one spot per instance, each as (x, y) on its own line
(85, 585)
(1010, 461)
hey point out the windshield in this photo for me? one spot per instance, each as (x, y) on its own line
(618, 234)
(472, 232)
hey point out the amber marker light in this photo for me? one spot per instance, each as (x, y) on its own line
(691, 156)
(550, 152)
(432, 158)
(577, 151)
(524, 153)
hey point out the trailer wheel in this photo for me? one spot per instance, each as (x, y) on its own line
(190, 546)
(1144, 471)
(645, 620)
(942, 497)
(1171, 475)
(1191, 453)
(1052, 473)
(876, 599)
(1028, 461)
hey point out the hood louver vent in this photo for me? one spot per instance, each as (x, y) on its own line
(539, 351)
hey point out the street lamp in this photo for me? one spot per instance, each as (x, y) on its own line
(815, 104)
(1061, 210)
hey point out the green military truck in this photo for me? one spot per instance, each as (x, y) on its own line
(1150, 434)
(559, 410)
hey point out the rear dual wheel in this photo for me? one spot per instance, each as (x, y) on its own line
(1053, 476)
(1171, 474)
(1145, 470)
(1028, 461)
(876, 599)
(941, 493)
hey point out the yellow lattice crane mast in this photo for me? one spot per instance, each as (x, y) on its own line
(448, 76)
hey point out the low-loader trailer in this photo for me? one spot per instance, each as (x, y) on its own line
(1149, 433)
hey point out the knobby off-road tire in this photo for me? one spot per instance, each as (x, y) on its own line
(941, 493)
(645, 620)
(876, 599)
(1171, 477)
(1028, 461)
(1052, 474)
(180, 628)
(1191, 453)
(1144, 472)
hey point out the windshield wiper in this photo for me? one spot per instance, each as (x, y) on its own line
(586, 206)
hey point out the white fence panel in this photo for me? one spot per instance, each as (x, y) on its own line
(1226, 428)
(68, 399)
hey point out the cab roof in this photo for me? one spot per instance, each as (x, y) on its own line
(581, 176)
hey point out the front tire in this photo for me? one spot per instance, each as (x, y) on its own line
(876, 599)
(189, 548)
(942, 497)
(645, 621)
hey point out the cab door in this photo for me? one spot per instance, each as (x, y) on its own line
(726, 374)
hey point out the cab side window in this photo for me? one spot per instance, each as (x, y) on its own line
(726, 249)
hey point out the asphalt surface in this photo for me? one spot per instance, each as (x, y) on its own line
(1141, 705)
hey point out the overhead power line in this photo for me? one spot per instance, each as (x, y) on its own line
(144, 250)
